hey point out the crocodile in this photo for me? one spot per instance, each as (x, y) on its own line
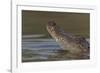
(77, 46)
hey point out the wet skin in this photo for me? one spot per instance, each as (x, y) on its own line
(77, 46)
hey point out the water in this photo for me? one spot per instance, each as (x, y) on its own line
(39, 44)
(35, 48)
(39, 49)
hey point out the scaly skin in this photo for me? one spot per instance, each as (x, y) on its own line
(78, 47)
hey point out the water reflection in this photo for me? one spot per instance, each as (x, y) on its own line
(38, 49)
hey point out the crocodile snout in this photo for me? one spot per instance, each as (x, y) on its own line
(51, 23)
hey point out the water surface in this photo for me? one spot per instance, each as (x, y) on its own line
(41, 49)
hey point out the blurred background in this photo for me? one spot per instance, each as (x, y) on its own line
(34, 22)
